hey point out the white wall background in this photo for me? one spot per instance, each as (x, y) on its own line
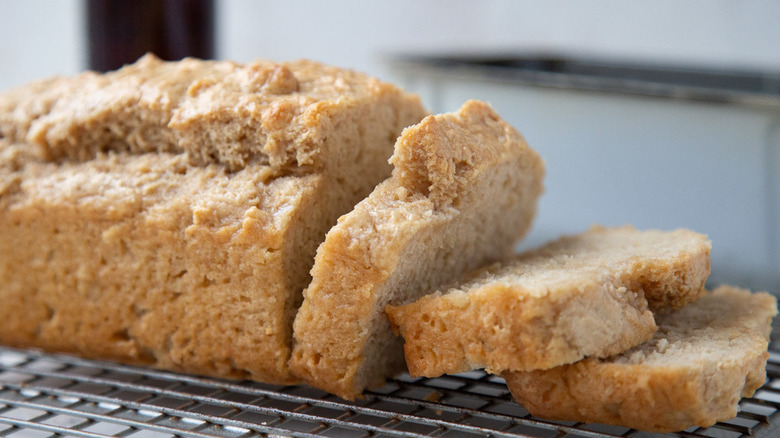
(354, 33)
(44, 37)
(40, 38)
(719, 166)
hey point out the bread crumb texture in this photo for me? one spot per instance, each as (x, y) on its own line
(463, 190)
(168, 213)
(582, 295)
(692, 372)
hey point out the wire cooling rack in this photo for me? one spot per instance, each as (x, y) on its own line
(43, 395)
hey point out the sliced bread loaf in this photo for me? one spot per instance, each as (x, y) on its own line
(701, 361)
(463, 191)
(582, 295)
(168, 213)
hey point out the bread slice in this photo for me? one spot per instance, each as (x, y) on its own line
(168, 213)
(582, 295)
(693, 371)
(463, 191)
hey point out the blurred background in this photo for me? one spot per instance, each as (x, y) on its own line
(662, 114)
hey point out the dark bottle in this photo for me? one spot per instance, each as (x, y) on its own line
(121, 31)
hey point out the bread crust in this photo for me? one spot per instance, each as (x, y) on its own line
(676, 380)
(223, 112)
(168, 213)
(463, 191)
(582, 295)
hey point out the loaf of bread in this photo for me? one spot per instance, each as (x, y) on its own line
(582, 295)
(168, 213)
(463, 190)
(693, 371)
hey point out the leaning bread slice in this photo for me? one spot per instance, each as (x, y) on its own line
(582, 295)
(693, 371)
(463, 191)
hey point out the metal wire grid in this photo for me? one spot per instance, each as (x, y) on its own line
(48, 395)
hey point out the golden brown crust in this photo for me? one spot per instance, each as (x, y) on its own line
(464, 189)
(579, 296)
(21, 106)
(440, 157)
(192, 259)
(693, 372)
